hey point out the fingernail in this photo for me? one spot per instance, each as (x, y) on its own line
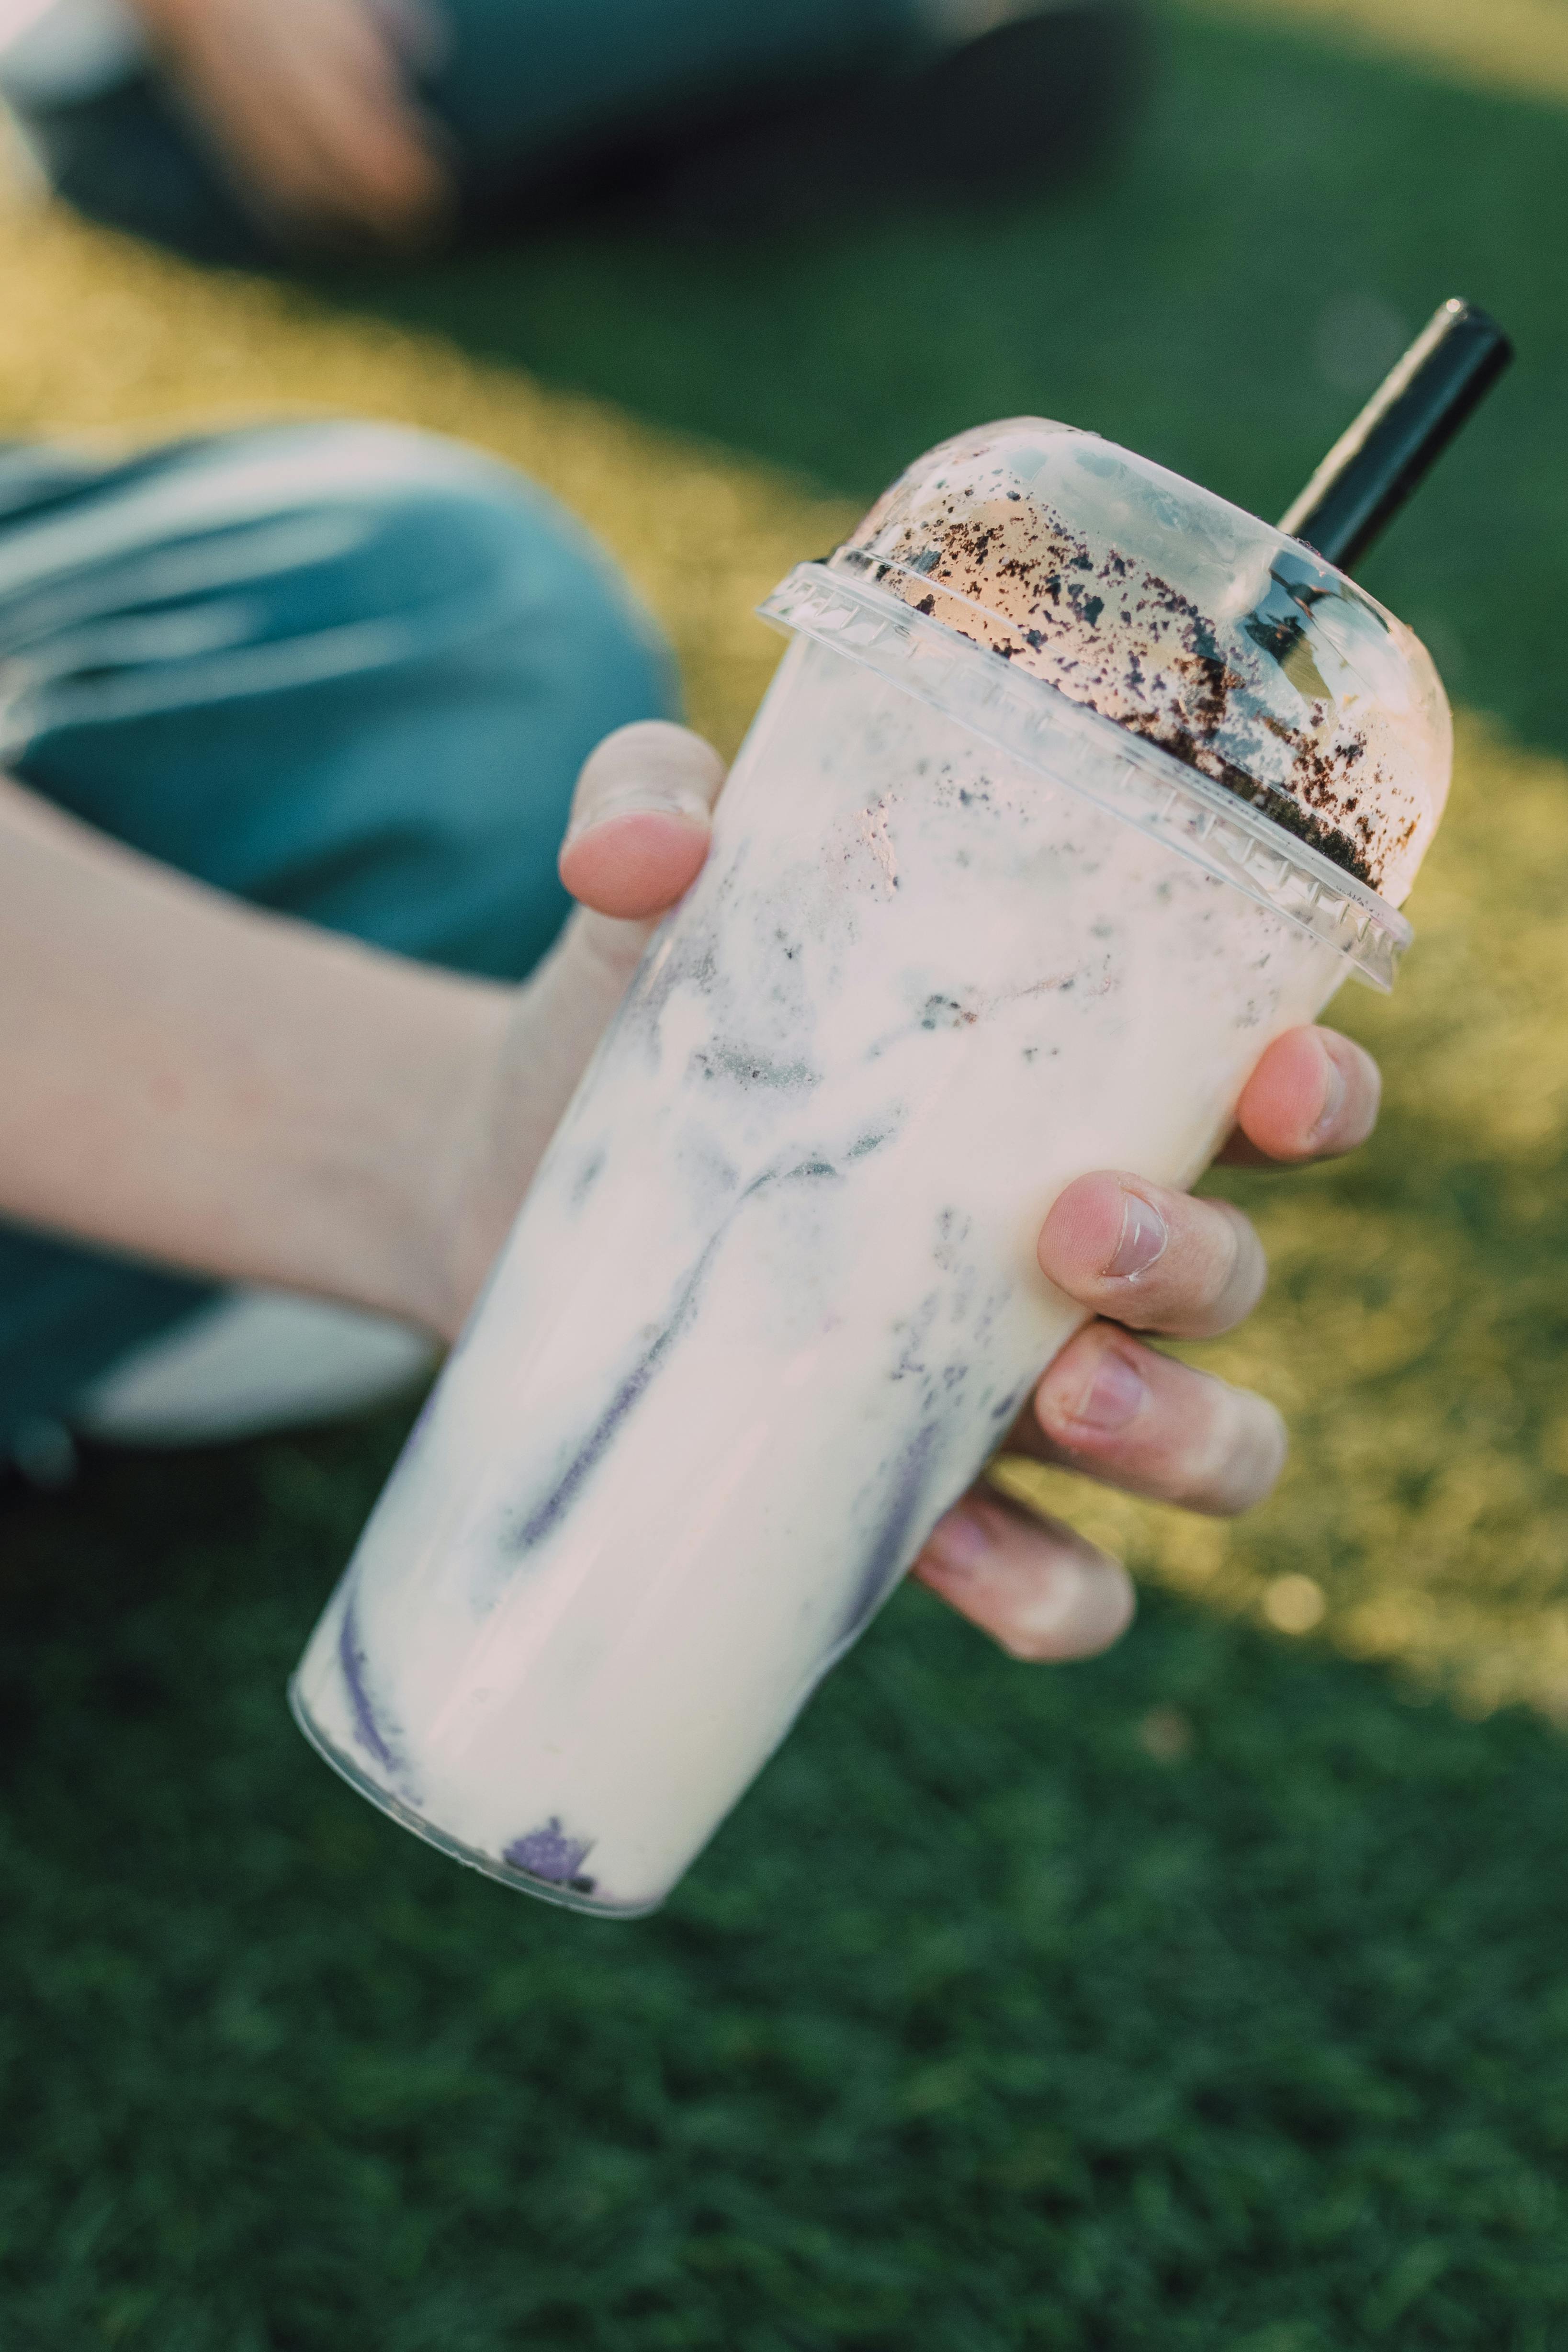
(961, 1541)
(1111, 1399)
(1142, 1241)
(1333, 1097)
(641, 800)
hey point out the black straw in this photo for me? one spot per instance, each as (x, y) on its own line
(1405, 425)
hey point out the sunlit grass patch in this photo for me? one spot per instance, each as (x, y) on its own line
(100, 334)
(1513, 45)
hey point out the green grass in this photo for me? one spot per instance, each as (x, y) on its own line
(981, 2027)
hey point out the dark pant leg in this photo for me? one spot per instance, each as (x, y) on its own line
(126, 156)
(344, 670)
(526, 88)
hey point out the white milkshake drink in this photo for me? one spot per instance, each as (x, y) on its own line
(1076, 787)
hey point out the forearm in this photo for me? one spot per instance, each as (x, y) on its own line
(204, 1084)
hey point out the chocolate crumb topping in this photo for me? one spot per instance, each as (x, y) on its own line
(1298, 699)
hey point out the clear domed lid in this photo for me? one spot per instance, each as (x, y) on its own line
(1184, 619)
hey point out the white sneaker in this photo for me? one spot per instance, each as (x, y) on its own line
(54, 52)
(252, 1362)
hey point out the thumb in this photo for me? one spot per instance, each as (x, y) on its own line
(640, 818)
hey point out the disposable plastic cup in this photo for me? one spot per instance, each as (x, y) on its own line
(773, 1298)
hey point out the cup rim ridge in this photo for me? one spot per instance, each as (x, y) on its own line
(1140, 781)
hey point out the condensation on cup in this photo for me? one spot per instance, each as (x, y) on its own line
(1076, 787)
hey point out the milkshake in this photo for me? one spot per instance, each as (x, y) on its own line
(1076, 787)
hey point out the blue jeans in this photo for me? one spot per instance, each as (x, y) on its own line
(346, 670)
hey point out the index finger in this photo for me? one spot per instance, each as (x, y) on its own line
(1314, 1096)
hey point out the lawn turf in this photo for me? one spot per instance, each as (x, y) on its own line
(1211, 1995)
(1201, 1996)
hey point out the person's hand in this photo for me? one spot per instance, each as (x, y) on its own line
(1145, 1258)
(1140, 1257)
(309, 107)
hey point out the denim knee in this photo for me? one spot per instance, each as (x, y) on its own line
(497, 732)
(369, 702)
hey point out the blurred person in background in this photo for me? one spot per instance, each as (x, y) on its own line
(294, 719)
(237, 129)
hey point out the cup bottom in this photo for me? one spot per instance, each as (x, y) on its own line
(405, 1816)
